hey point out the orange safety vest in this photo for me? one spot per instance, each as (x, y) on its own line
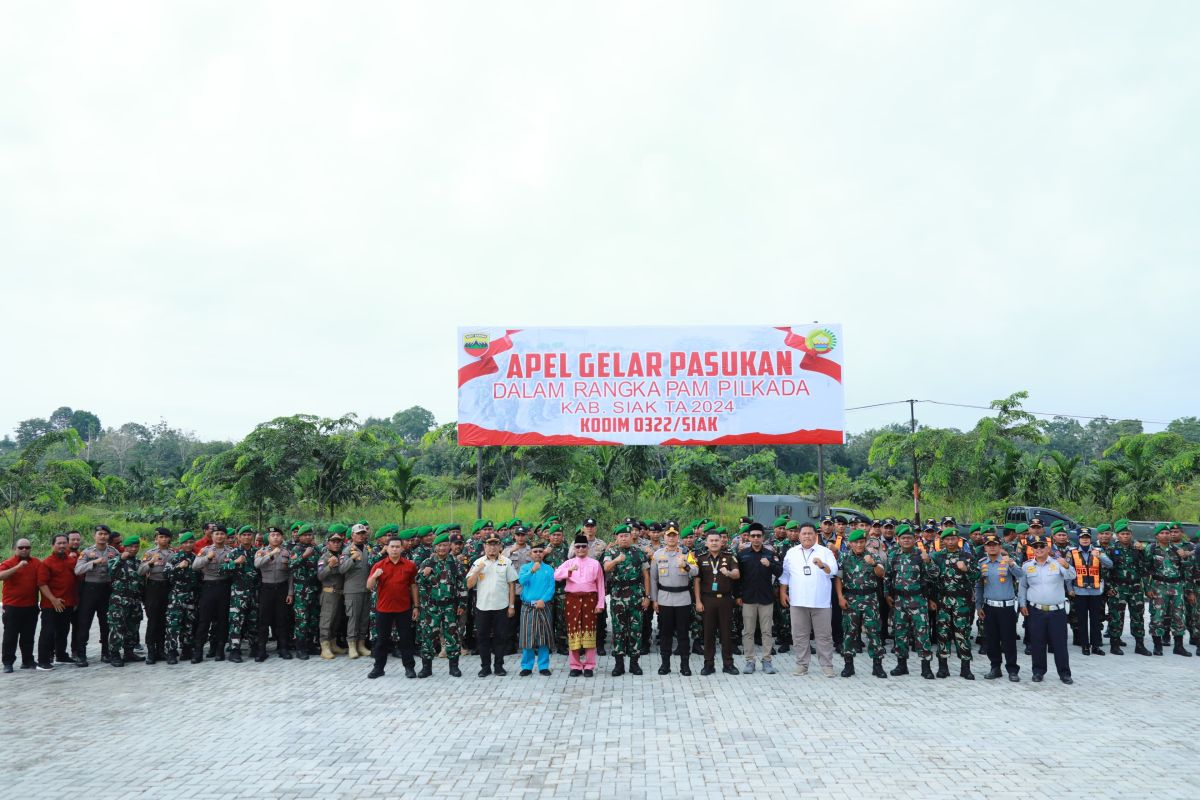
(937, 545)
(1083, 572)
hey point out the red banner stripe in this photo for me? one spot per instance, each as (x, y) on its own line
(811, 361)
(486, 363)
(471, 435)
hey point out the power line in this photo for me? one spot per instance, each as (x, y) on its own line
(989, 408)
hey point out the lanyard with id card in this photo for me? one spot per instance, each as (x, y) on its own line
(715, 566)
(807, 568)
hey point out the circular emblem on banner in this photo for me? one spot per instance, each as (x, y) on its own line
(476, 343)
(821, 341)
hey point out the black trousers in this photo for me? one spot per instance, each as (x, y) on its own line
(490, 629)
(1000, 636)
(718, 621)
(155, 601)
(514, 626)
(213, 612)
(1089, 617)
(273, 613)
(673, 624)
(646, 623)
(1048, 627)
(93, 601)
(835, 625)
(20, 622)
(52, 641)
(385, 622)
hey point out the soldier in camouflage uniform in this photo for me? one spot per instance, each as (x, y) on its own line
(127, 586)
(243, 594)
(1191, 614)
(627, 580)
(857, 585)
(955, 574)
(440, 580)
(786, 537)
(181, 601)
(909, 590)
(1169, 573)
(556, 553)
(305, 593)
(1127, 589)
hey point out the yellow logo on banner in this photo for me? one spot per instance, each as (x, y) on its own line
(476, 343)
(821, 341)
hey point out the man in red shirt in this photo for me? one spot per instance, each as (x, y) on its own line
(60, 596)
(396, 605)
(19, 596)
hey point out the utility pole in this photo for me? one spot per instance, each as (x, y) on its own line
(479, 483)
(912, 420)
(821, 479)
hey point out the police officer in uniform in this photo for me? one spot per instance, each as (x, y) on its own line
(1042, 599)
(996, 605)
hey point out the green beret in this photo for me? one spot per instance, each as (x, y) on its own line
(793, 525)
(386, 529)
(305, 528)
(424, 530)
(295, 526)
(441, 537)
(555, 528)
(1020, 527)
(708, 527)
(1121, 525)
(618, 529)
(1103, 528)
(551, 519)
(129, 541)
(696, 523)
(1177, 524)
(949, 532)
(379, 535)
(230, 532)
(1160, 527)
(479, 525)
(245, 529)
(407, 533)
(903, 529)
(745, 526)
(721, 531)
(646, 523)
(187, 536)
(454, 526)
(578, 529)
(1057, 525)
(337, 527)
(780, 521)
(974, 527)
(855, 535)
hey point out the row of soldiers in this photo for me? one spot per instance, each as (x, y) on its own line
(230, 588)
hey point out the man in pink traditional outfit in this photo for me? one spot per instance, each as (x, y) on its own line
(585, 599)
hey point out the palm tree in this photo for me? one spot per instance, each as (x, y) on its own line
(402, 486)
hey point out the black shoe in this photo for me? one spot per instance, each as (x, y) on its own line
(499, 670)
(877, 668)
(426, 668)
(1157, 646)
(485, 671)
(261, 655)
(563, 651)
(235, 655)
(221, 656)
(664, 668)
(1067, 679)
(992, 674)
(172, 660)
(685, 669)
(848, 670)
(926, 670)
(619, 667)
(1086, 651)
(634, 667)
(600, 651)
(587, 673)
(708, 671)
(1037, 678)
(376, 672)
(697, 649)
(1012, 676)
(730, 669)
(545, 672)
(965, 670)
(117, 661)
(8, 668)
(285, 654)
(783, 648)
(1114, 647)
(150, 659)
(1180, 650)
(198, 658)
(64, 659)
(943, 668)
(455, 672)
(47, 667)
(1027, 651)
(525, 673)
(212, 651)
(901, 667)
(575, 673)
(644, 650)
(410, 671)
(1096, 651)
(301, 653)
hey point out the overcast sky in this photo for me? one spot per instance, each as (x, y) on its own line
(220, 213)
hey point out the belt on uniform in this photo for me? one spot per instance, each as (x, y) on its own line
(960, 595)
(1165, 580)
(717, 595)
(858, 592)
(331, 589)
(662, 588)
(1001, 603)
(1058, 607)
(452, 601)
(910, 593)
(1119, 582)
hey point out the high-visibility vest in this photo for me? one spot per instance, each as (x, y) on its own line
(1086, 573)
(937, 545)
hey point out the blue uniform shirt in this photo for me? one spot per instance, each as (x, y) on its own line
(990, 585)
(536, 585)
(1044, 584)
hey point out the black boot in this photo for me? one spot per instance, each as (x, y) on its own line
(426, 668)
(992, 674)
(901, 667)
(1140, 647)
(685, 669)
(665, 667)
(1158, 645)
(926, 670)
(877, 668)
(498, 666)
(943, 668)
(1180, 650)
(965, 670)
(172, 659)
(634, 669)
(619, 668)
(151, 655)
(301, 652)
(235, 654)
(848, 670)
(131, 657)
(1114, 647)
(455, 672)
(410, 670)
(185, 652)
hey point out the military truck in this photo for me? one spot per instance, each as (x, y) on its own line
(765, 508)
(1142, 529)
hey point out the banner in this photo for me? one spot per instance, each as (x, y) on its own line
(703, 385)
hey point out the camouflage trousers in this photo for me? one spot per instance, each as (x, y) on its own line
(861, 615)
(181, 619)
(910, 626)
(1192, 618)
(307, 608)
(438, 625)
(954, 617)
(783, 625)
(626, 624)
(243, 616)
(122, 623)
(1167, 612)
(560, 617)
(1126, 597)
(135, 635)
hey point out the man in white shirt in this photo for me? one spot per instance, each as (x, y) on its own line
(805, 590)
(492, 577)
